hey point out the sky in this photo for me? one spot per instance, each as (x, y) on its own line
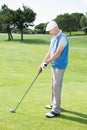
(47, 10)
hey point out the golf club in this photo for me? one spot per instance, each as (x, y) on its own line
(14, 110)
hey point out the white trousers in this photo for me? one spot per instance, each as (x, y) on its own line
(57, 79)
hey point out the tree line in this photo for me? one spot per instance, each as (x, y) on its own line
(68, 23)
(21, 19)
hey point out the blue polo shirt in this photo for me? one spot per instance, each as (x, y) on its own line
(62, 61)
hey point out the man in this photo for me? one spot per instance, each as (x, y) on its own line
(57, 55)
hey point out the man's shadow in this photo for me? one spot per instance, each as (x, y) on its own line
(81, 119)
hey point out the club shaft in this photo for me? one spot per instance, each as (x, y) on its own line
(26, 91)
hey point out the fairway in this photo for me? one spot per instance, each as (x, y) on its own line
(19, 62)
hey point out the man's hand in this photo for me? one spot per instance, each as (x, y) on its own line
(42, 67)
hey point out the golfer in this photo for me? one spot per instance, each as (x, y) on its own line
(57, 55)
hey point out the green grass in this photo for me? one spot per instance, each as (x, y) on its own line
(77, 33)
(19, 62)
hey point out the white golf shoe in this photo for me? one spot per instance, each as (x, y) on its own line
(48, 106)
(52, 114)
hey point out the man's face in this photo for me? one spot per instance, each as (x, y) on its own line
(54, 31)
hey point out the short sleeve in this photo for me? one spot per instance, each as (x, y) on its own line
(63, 41)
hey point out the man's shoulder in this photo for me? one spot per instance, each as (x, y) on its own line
(63, 34)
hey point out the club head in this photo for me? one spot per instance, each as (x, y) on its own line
(12, 111)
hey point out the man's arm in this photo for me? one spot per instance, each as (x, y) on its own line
(56, 55)
(47, 56)
(60, 49)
